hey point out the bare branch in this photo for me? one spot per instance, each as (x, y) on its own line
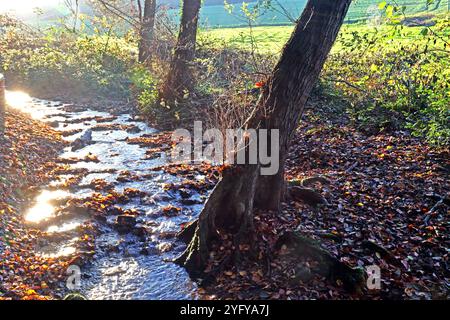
(119, 13)
(141, 18)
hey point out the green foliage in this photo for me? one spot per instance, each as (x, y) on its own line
(390, 75)
(145, 89)
(386, 81)
(60, 60)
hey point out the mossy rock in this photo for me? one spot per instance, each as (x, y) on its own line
(75, 296)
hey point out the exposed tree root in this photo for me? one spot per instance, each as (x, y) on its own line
(382, 251)
(308, 182)
(210, 277)
(307, 195)
(228, 210)
(187, 233)
(329, 266)
(300, 190)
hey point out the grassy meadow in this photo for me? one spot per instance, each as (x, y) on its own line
(217, 16)
(270, 39)
(383, 73)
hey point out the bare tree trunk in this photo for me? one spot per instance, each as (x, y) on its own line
(230, 206)
(147, 30)
(292, 80)
(179, 79)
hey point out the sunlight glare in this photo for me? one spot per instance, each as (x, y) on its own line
(26, 6)
(23, 102)
(61, 250)
(64, 228)
(43, 208)
(17, 99)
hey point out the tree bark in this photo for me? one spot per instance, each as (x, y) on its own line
(292, 80)
(147, 30)
(230, 205)
(179, 79)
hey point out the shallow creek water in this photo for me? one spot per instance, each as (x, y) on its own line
(118, 269)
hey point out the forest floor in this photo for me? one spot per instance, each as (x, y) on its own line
(384, 209)
(27, 153)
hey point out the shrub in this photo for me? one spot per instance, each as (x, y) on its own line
(60, 60)
(406, 77)
(145, 89)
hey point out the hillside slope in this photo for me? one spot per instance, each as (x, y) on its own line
(218, 16)
(283, 12)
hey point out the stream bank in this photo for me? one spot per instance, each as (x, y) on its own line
(113, 207)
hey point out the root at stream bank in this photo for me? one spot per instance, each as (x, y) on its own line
(328, 265)
(298, 245)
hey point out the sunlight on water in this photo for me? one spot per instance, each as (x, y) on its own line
(17, 99)
(66, 251)
(60, 251)
(63, 252)
(23, 102)
(64, 228)
(44, 208)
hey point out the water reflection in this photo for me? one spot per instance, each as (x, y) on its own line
(23, 102)
(64, 227)
(138, 276)
(64, 250)
(44, 209)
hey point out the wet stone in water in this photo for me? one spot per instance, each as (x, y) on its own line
(125, 223)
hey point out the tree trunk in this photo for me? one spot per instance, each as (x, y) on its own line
(179, 79)
(230, 205)
(147, 30)
(292, 80)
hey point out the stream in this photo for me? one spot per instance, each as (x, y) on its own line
(118, 268)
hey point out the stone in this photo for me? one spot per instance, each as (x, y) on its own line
(303, 274)
(134, 129)
(149, 250)
(140, 231)
(82, 141)
(125, 223)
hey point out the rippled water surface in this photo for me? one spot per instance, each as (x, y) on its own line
(118, 269)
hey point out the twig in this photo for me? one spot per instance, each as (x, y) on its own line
(347, 83)
(119, 13)
(353, 166)
(432, 210)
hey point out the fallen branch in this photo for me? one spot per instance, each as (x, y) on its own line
(444, 199)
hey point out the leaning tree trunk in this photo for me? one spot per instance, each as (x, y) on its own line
(179, 78)
(147, 30)
(229, 208)
(292, 80)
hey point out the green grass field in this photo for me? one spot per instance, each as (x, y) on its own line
(216, 16)
(270, 39)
